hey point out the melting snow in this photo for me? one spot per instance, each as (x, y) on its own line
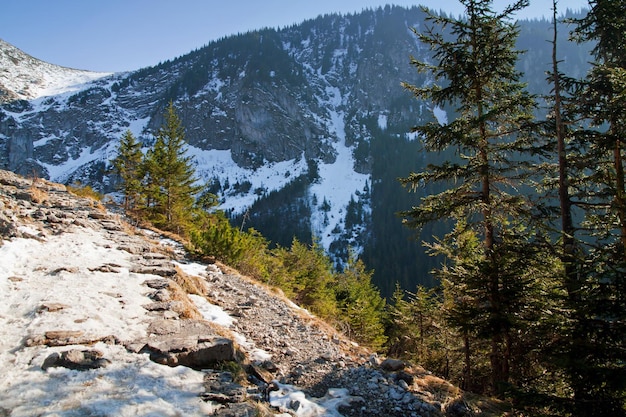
(60, 269)
(99, 304)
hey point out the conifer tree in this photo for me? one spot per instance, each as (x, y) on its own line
(170, 182)
(596, 302)
(477, 64)
(361, 305)
(128, 166)
(312, 274)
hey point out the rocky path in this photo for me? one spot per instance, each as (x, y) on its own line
(280, 348)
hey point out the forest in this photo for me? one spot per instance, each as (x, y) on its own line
(528, 302)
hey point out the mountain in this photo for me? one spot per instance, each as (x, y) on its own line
(301, 131)
(25, 78)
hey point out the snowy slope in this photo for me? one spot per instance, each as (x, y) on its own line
(74, 272)
(24, 77)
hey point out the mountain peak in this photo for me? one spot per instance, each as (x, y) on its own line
(23, 77)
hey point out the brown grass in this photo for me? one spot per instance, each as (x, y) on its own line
(37, 195)
(187, 309)
(191, 284)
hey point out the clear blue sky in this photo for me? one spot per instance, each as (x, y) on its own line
(120, 35)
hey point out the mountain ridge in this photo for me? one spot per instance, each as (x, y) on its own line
(311, 118)
(24, 77)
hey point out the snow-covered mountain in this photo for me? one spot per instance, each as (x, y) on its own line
(23, 77)
(300, 131)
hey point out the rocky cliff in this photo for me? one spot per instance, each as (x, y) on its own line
(99, 317)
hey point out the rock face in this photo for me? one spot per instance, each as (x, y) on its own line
(246, 365)
(266, 96)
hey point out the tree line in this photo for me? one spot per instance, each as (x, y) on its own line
(532, 303)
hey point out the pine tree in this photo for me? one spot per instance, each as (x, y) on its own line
(596, 302)
(477, 62)
(128, 166)
(170, 181)
(361, 305)
(312, 274)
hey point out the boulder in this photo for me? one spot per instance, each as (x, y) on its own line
(191, 343)
(392, 365)
(75, 359)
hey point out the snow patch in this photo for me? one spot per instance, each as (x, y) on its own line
(290, 398)
(338, 181)
(211, 312)
(219, 165)
(440, 115)
(382, 121)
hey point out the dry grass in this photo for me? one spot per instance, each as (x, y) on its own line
(186, 308)
(37, 194)
(191, 284)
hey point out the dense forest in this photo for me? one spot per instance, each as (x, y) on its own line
(522, 208)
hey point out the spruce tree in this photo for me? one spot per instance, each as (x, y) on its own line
(128, 166)
(474, 71)
(170, 181)
(596, 303)
(360, 303)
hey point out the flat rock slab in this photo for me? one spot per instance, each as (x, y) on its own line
(192, 343)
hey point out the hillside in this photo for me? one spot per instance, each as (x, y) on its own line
(101, 318)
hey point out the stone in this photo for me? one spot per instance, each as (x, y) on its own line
(53, 307)
(191, 343)
(75, 359)
(392, 365)
(157, 283)
(238, 410)
(405, 377)
(261, 374)
(160, 270)
(63, 335)
(221, 388)
(98, 215)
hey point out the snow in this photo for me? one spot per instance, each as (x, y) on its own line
(338, 181)
(31, 78)
(288, 397)
(61, 173)
(219, 164)
(382, 121)
(37, 272)
(211, 312)
(64, 269)
(440, 115)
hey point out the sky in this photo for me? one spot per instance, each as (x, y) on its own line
(124, 35)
